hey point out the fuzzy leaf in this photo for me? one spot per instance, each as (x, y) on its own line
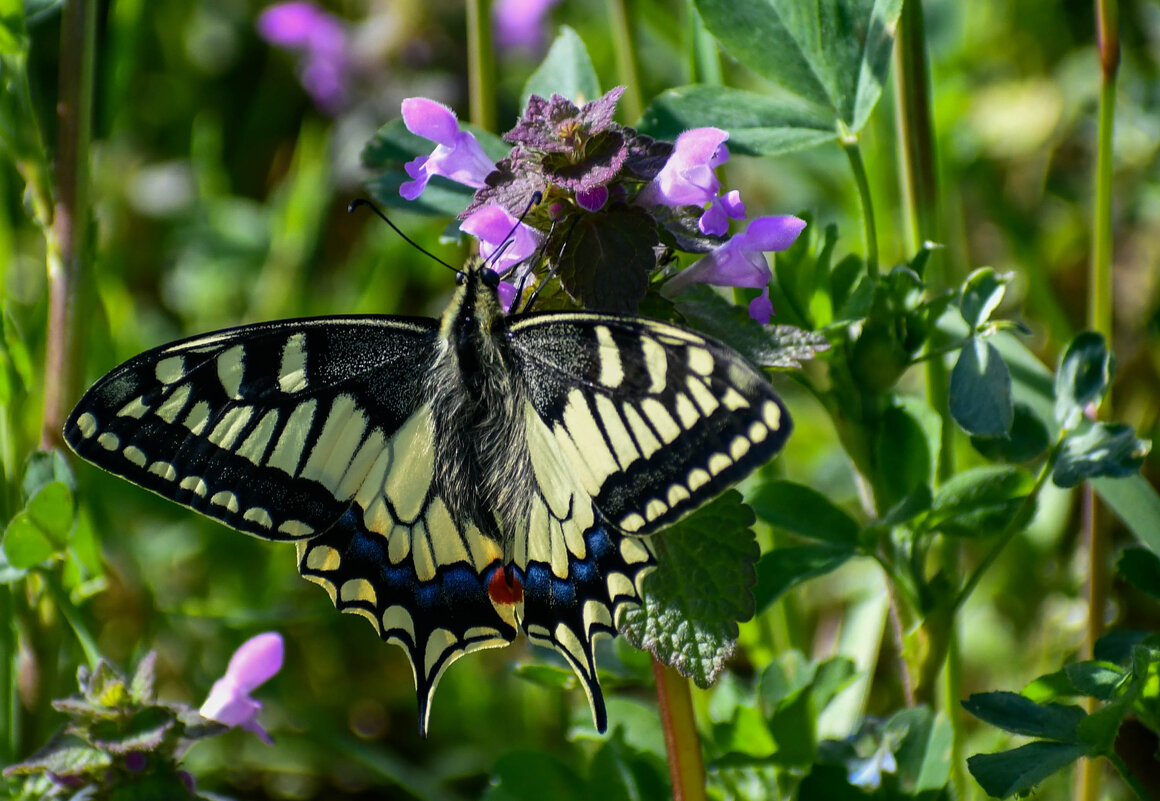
(64, 755)
(833, 54)
(143, 730)
(608, 257)
(980, 391)
(699, 591)
(1085, 372)
(566, 70)
(758, 125)
(1016, 772)
(1106, 449)
(779, 346)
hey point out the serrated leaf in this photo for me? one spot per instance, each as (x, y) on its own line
(53, 509)
(64, 755)
(1018, 771)
(1085, 372)
(566, 70)
(144, 729)
(1109, 450)
(25, 545)
(981, 294)
(608, 257)
(700, 590)
(758, 125)
(141, 685)
(781, 569)
(1013, 712)
(834, 54)
(978, 502)
(1027, 439)
(779, 346)
(1141, 568)
(803, 511)
(980, 391)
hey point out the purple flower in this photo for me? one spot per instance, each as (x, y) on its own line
(457, 154)
(741, 261)
(321, 40)
(868, 772)
(495, 227)
(688, 179)
(520, 23)
(229, 701)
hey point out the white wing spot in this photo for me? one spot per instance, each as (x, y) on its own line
(172, 407)
(197, 418)
(231, 366)
(230, 426)
(170, 370)
(771, 412)
(758, 431)
(633, 551)
(323, 558)
(195, 485)
(656, 362)
(719, 462)
(398, 618)
(256, 514)
(660, 419)
(87, 424)
(700, 361)
(698, 478)
(739, 447)
(358, 590)
(296, 528)
(109, 442)
(611, 368)
(163, 469)
(135, 408)
(654, 509)
(292, 372)
(135, 455)
(677, 494)
(686, 411)
(645, 439)
(734, 400)
(288, 451)
(702, 395)
(631, 522)
(227, 499)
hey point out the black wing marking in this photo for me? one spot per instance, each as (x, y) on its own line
(654, 419)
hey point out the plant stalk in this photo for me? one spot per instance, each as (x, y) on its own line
(705, 60)
(865, 204)
(686, 767)
(480, 65)
(68, 252)
(627, 71)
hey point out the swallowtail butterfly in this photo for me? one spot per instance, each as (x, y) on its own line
(453, 481)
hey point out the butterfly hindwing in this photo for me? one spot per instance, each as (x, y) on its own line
(266, 428)
(654, 420)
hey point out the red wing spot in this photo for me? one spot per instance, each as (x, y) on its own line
(505, 588)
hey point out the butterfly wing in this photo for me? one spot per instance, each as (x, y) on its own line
(632, 424)
(315, 431)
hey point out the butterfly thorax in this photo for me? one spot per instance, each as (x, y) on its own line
(482, 466)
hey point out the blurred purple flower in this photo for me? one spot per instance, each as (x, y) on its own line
(457, 154)
(520, 23)
(868, 772)
(493, 226)
(320, 38)
(229, 701)
(741, 261)
(688, 179)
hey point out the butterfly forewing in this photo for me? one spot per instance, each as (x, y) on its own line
(655, 420)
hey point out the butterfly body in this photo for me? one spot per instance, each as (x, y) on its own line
(454, 481)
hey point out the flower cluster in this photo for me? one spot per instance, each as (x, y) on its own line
(615, 203)
(320, 39)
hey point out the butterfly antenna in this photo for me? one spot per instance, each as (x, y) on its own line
(555, 266)
(537, 198)
(362, 201)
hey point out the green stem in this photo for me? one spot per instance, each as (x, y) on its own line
(69, 246)
(73, 616)
(705, 60)
(1016, 524)
(480, 65)
(627, 73)
(865, 204)
(1129, 778)
(686, 767)
(9, 698)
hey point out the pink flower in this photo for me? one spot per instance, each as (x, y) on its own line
(520, 23)
(688, 179)
(741, 261)
(229, 701)
(321, 40)
(497, 230)
(457, 155)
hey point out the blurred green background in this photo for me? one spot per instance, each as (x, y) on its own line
(220, 194)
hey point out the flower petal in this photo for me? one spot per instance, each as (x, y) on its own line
(431, 120)
(496, 228)
(761, 307)
(773, 233)
(258, 659)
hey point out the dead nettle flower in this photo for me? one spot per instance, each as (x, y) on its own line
(229, 702)
(320, 39)
(520, 24)
(615, 202)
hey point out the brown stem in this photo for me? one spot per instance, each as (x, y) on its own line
(686, 767)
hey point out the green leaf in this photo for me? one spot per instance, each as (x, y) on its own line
(1141, 568)
(744, 733)
(25, 544)
(978, 502)
(833, 54)
(803, 511)
(1013, 712)
(924, 753)
(1085, 372)
(17, 350)
(64, 755)
(903, 452)
(783, 568)
(981, 294)
(53, 509)
(793, 720)
(43, 468)
(566, 70)
(1136, 503)
(699, 591)
(1018, 771)
(757, 125)
(1027, 439)
(1105, 449)
(1096, 679)
(779, 346)
(782, 679)
(980, 391)
(607, 258)
(1099, 729)
(530, 775)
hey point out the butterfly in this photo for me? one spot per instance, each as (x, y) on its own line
(453, 481)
